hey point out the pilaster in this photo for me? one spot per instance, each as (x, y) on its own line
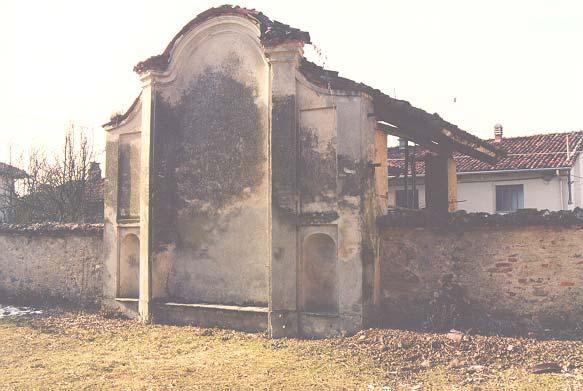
(283, 317)
(147, 127)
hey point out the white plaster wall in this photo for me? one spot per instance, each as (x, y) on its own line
(477, 196)
(538, 193)
(392, 195)
(577, 185)
(477, 193)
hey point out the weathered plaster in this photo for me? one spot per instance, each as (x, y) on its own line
(210, 199)
(64, 265)
(244, 156)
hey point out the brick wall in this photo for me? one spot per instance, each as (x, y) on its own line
(504, 277)
(51, 261)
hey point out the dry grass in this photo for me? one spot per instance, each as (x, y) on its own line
(87, 351)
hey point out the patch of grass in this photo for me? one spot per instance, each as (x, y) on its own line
(82, 351)
(78, 353)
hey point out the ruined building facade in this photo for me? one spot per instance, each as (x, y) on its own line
(243, 185)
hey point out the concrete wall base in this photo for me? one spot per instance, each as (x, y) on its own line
(251, 319)
(322, 325)
(128, 307)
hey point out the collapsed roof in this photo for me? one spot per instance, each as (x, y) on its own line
(405, 120)
(396, 117)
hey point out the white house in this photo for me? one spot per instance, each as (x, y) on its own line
(543, 171)
(8, 174)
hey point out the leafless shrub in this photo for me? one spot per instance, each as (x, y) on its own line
(63, 187)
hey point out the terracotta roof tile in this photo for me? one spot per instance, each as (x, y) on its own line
(527, 152)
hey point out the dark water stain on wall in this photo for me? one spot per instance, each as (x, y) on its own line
(164, 201)
(221, 147)
(208, 153)
(284, 151)
(351, 174)
(129, 176)
(317, 169)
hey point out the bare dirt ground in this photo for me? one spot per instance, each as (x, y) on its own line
(60, 349)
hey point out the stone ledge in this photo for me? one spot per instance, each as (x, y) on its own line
(52, 228)
(459, 219)
(221, 307)
(250, 319)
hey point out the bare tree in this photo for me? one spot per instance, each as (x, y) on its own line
(57, 188)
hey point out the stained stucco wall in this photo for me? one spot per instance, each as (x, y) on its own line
(66, 265)
(331, 159)
(122, 183)
(338, 196)
(530, 276)
(210, 168)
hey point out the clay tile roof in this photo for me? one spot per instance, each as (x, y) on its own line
(11, 171)
(272, 33)
(527, 152)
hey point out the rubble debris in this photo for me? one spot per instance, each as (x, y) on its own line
(475, 358)
(449, 308)
(545, 367)
(456, 336)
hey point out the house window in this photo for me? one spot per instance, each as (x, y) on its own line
(413, 199)
(509, 198)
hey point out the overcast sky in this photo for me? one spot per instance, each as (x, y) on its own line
(519, 63)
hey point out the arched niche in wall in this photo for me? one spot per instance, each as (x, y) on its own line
(318, 279)
(129, 267)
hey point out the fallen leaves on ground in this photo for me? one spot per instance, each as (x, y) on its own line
(75, 349)
(474, 358)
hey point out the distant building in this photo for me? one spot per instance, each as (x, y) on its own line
(8, 175)
(72, 201)
(94, 194)
(543, 171)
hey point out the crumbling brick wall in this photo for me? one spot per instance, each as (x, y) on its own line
(501, 274)
(51, 262)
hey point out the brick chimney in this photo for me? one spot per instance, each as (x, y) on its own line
(497, 133)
